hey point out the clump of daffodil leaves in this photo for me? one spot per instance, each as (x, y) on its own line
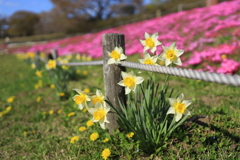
(152, 113)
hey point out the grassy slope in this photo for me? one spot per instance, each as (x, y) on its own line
(214, 137)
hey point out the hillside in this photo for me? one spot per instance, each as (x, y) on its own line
(209, 36)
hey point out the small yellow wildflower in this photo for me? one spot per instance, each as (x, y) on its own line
(52, 86)
(44, 112)
(74, 139)
(31, 55)
(81, 129)
(8, 108)
(33, 66)
(51, 112)
(11, 99)
(25, 133)
(40, 83)
(105, 140)
(94, 136)
(86, 90)
(71, 114)
(1, 114)
(38, 99)
(90, 123)
(59, 111)
(85, 72)
(78, 56)
(61, 94)
(36, 86)
(42, 55)
(130, 134)
(39, 73)
(85, 110)
(69, 57)
(78, 71)
(106, 153)
(223, 56)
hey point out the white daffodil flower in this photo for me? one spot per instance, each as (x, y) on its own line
(171, 55)
(179, 107)
(130, 81)
(149, 60)
(100, 114)
(116, 55)
(81, 99)
(150, 42)
(51, 64)
(98, 98)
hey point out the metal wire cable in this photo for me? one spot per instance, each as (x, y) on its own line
(233, 80)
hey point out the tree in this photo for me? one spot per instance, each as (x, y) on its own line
(3, 26)
(22, 23)
(92, 9)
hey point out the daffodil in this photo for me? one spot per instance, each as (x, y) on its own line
(130, 81)
(171, 55)
(51, 64)
(150, 42)
(39, 73)
(116, 55)
(63, 66)
(149, 60)
(98, 98)
(100, 114)
(179, 107)
(81, 99)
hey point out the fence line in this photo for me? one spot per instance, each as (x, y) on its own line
(91, 63)
(227, 79)
(112, 74)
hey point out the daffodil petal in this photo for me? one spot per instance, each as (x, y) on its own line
(178, 116)
(171, 110)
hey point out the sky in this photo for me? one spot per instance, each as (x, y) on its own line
(8, 7)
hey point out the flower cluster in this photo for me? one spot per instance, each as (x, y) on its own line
(98, 111)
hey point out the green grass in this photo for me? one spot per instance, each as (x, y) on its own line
(47, 136)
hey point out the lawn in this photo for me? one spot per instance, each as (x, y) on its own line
(38, 124)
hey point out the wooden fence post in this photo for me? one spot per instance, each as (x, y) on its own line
(112, 75)
(53, 55)
(37, 57)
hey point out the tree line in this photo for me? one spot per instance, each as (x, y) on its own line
(67, 16)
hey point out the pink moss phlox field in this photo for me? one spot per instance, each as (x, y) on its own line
(205, 34)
